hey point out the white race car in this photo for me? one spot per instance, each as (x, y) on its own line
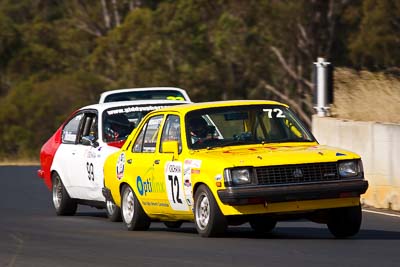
(72, 159)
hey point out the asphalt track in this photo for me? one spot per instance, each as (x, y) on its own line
(32, 235)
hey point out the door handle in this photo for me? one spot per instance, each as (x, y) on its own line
(157, 161)
(129, 161)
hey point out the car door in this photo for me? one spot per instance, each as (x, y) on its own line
(83, 162)
(94, 153)
(141, 162)
(65, 156)
(170, 171)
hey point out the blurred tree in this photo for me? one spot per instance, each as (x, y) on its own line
(98, 17)
(9, 41)
(33, 110)
(376, 44)
(58, 55)
(297, 32)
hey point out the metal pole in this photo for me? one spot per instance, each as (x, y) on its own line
(321, 84)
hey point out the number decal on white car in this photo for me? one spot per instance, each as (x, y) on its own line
(89, 168)
(174, 185)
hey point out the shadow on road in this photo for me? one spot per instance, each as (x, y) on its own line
(281, 232)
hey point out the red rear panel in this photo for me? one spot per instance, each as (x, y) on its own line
(46, 156)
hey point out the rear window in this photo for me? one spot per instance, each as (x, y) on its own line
(145, 95)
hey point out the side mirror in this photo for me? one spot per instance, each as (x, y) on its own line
(171, 147)
(89, 140)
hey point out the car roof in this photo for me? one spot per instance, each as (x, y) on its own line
(196, 106)
(144, 89)
(159, 102)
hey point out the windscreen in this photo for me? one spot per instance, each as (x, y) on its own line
(243, 125)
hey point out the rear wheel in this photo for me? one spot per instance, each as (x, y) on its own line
(345, 222)
(113, 211)
(133, 214)
(62, 202)
(262, 224)
(209, 219)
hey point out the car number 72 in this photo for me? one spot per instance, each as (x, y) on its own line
(174, 186)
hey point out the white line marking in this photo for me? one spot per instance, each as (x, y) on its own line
(382, 213)
(20, 243)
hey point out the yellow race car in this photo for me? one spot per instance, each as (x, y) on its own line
(232, 162)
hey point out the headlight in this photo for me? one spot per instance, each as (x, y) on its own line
(350, 168)
(238, 176)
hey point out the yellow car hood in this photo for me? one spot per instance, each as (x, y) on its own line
(261, 155)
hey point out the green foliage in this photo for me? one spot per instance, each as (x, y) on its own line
(9, 40)
(33, 110)
(56, 56)
(376, 44)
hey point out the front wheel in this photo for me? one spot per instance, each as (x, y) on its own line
(113, 211)
(209, 219)
(133, 215)
(345, 222)
(62, 202)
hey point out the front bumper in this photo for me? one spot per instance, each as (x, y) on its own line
(284, 193)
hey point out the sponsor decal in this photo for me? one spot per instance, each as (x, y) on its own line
(139, 185)
(90, 154)
(120, 166)
(155, 204)
(340, 154)
(148, 186)
(69, 137)
(180, 98)
(133, 109)
(190, 166)
(164, 205)
(218, 177)
(187, 183)
(193, 163)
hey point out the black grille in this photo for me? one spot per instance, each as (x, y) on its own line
(298, 173)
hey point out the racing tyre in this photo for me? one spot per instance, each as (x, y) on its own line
(132, 212)
(345, 222)
(113, 212)
(209, 219)
(62, 202)
(262, 224)
(173, 225)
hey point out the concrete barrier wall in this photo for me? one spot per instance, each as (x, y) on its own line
(378, 144)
